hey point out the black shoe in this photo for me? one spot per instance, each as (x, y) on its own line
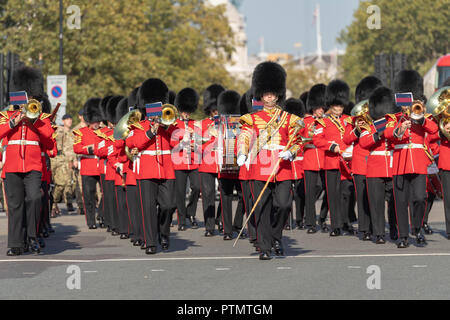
(311, 230)
(114, 233)
(209, 233)
(13, 252)
(335, 233)
(194, 223)
(367, 236)
(26, 248)
(220, 226)
(420, 240)
(278, 248)
(34, 246)
(41, 242)
(93, 227)
(137, 243)
(102, 225)
(287, 227)
(150, 250)
(227, 237)
(164, 243)
(45, 234)
(300, 225)
(143, 246)
(380, 240)
(124, 236)
(243, 235)
(349, 230)
(403, 244)
(182, 228)
(265, 256)
(70, 208)
(108, 229)
(50, 229)
(427, 229)
(324, 228)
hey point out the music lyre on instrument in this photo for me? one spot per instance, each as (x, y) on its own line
(229, 129)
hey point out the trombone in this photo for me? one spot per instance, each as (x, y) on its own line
(32, 110)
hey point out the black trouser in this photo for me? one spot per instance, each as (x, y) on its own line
(227, 186)
(101, 209)
(156, 192)
(445, 180)
(269, 231)
(337, 216)
(23, 193)
(379, 191)
(122, 210)
(362, 201)
(312, 193)
(431, 196)
(44, 219)
(348, 201)
(135, 211)
(111, 205)
(89, 192)
(410, 188)
(180, 191)
(208, 189)
(239, 214)
(299, 198)
(246, 187)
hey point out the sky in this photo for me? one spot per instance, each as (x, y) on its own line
(283, 23)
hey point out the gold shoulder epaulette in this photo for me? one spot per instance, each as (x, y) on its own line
(45, 116)
(77, 133)
(428, 115)
(246, 119)
(4, 114)
(349, 120)
(293, 120)
(138, 125)
(392, 116)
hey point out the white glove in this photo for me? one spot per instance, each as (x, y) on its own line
(286, 155)
(241, 160)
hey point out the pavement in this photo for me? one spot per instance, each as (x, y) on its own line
(78, 263)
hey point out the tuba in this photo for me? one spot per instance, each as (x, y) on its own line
(361, 112)
(122, 129)
(439, 103)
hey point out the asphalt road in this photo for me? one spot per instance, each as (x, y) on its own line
(78, 263)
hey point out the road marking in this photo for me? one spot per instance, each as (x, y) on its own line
(419, 266)
(284, 268)
(29, 273)
(354, 267)
(343, 256)
(158, 270)
(90, 271)
(222, 269)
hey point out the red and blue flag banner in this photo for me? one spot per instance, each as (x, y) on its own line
(404, 99)
(380, 125)
(257, 105)
(18, 98)
(153, 109)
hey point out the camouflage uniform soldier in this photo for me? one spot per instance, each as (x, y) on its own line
(62, 166)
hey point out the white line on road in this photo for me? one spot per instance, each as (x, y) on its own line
(354, 267)
(29, 273)
(405, 255)
(158, 270)
(419, 266)
(90, 271)
(222, 269)
(284, 268)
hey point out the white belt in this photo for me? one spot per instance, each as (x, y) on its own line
(382, 153)
(155, 152)
(137, 159)
(298, 159)
(408, 146)
(273, 147)
(23, 143)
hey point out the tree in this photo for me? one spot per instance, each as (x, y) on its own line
(122, 43)
(300, 80)
(417, 28)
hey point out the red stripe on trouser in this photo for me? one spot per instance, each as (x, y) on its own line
(142, 210)
(328, 195)
(395, 206)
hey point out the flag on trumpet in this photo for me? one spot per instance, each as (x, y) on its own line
(404, 99)
(153, 109)
(257, 105)
(380, 125)
(18, 98)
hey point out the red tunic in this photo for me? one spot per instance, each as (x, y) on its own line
(209, 160)
(313, 158)
(360, 155)
(88, 162)
(183, 157)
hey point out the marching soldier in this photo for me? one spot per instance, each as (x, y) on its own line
(76, 169)
(274, 129)
(329, 137)
(208, 169)
(186, 157)
(313, 160)
(407, 133)
(154, 169)
(444, 167)
(23, 164)
(85, 142)
(62, 166)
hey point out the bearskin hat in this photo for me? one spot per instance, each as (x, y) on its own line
(269, 77)
(348, 108)
(245, 104)
(382, 102)
(102, 107)
(111, 108)
(29, 80)
(304, 98)
(365, 88)
(151, 91)
(295, 106)
(46, 105)
(92, 110)
(187, 100)
(337, 93)
(132, 98)
(316, 98)
(122, 109)
(228, 102)
(210, 97)
(172, 96)
(409, 81)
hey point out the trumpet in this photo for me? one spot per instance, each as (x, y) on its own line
(32, 110)
(361, 112)
(417, 110)
(169, 114)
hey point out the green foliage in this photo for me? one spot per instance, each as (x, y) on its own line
(417, 28)
(122, 43)
(301, 80)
